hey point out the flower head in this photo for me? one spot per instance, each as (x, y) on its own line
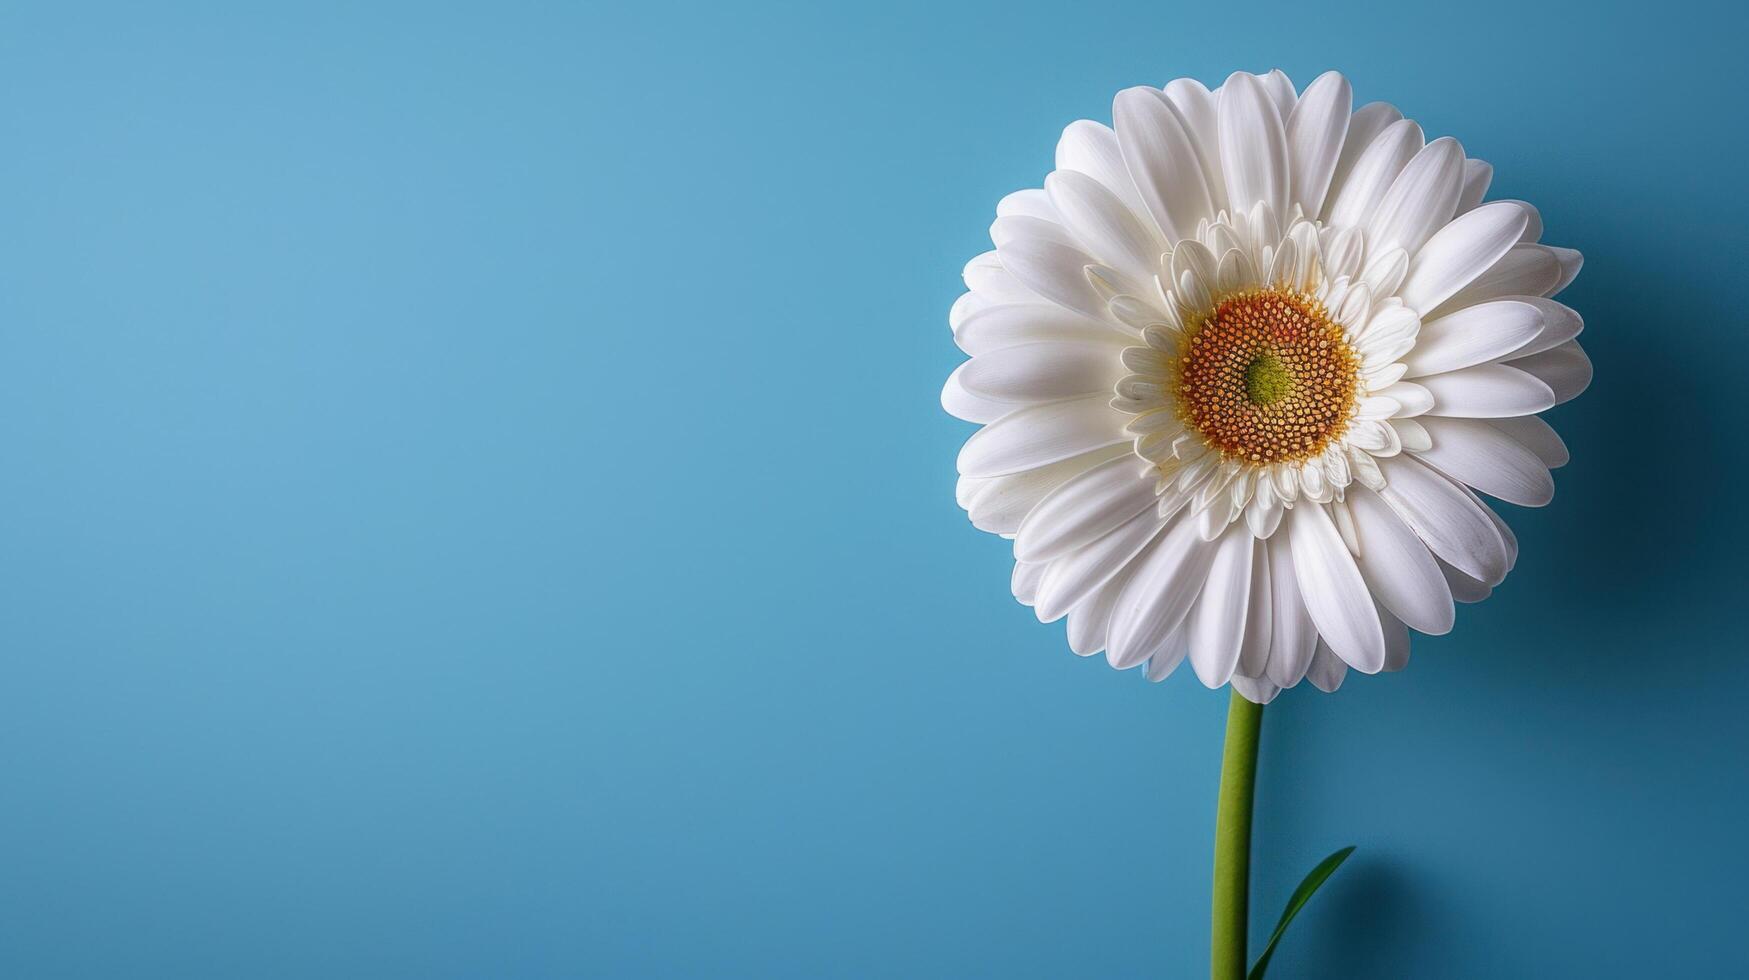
(1242, 365)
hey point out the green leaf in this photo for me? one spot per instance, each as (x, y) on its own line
(1301, 896)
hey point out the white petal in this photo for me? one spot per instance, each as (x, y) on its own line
(1196, 109)
(1336, 464)
(1039, 435)
(1234, 272)
(1538, 436)
(1356, 305)
(1335, 594)
(1312, 483)
(1155, 601)
(985, 277)
(966, 488)
(1327, 670)
(1397, 566)
(1384, 274)
(1533, 226)
(1474, 335)
(1377, 438)
(1157, 431)
(1010, 228)
(1373, 174)
(1158, 324)
(1254, 690)
(1293, 636)
(1389, 325)
(1263, 515)
(1565, 370)
(1367, 123)
(1463, 254)
(1315, 132)
(1421, 200)
(1280, 89)
(1455, 527)
(1053, 270)
(1253, 145)
(1488, 391)
(1413, 437)
(1147, 362)
(1463, 587)
(1366, 469)
(998, 504)
(1301, 271)
(1507, 538)
(1042, 372)
(1161, 161)
(1167, 658)
(1085, 508)
(1570, 261)
(1215, 626)
(1411, 398)
(1104, 225)
(1089, 621)
(1025, 581)
(1478, 174)
(1483, 457)
(1031, 203)
(1561, 323)
(1010, 324)
(1525, 270)
(962, 404)
(1075, 576)
(1396, 641)
(1090, 148)
(1259, 617)
(1285, 265)
(1383, 376)
(1460, 252)
(1193, 274)
(967, 304)
(1383, 343)
(1136, 395)
(1211, 521)
(1343, 248)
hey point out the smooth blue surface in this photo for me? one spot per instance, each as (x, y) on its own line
(475, 505)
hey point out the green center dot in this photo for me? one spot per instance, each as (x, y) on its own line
(1267, 380)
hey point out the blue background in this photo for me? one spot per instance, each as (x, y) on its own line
(475, 504)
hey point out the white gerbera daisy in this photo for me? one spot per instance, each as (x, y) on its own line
(1241, 366)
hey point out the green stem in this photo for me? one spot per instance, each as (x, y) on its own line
(1231, 906)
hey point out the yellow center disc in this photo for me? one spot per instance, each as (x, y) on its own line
(1267, 377)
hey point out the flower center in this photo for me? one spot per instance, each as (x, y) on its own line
(1267, 377)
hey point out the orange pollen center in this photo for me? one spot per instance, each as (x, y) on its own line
(1267, 377)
